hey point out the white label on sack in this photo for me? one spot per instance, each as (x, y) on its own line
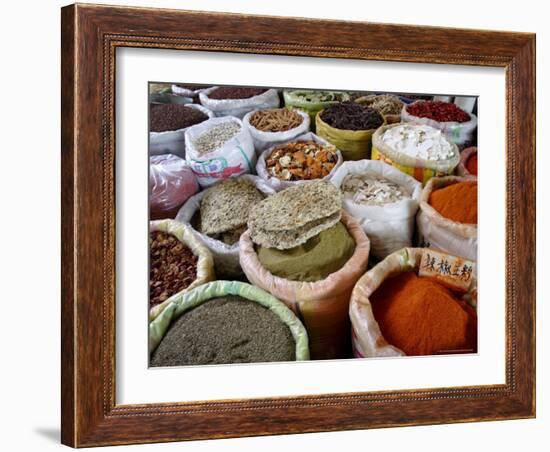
(451, 271)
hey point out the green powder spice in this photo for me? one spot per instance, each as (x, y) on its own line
(225, 330)
(320, 256)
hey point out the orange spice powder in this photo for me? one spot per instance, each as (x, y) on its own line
(422, 317)
(471, 165)
(457, 202)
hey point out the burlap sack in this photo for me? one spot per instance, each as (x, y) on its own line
(461, 169)
(323, 305)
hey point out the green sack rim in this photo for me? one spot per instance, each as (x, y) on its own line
(184, 302)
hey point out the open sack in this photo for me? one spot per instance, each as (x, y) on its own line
(367, 337)
(239, 107)
(205, 263)
(185, 302)
(389, 227)
(323, 305)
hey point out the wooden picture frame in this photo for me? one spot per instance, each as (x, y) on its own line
(90, 36)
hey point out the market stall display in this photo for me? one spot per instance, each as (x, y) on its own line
(388, 105)
(238, 101)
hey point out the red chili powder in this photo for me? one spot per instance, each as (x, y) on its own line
(422, 317)
(457, 202)
(471, 165)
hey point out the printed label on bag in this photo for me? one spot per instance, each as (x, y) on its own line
(451, 271)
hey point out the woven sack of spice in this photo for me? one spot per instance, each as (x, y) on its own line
(353, 144)
(388, 105)
(171, 183)
(185, 302)
(468, 167)
(265, 139)
(312, 102)
(219, 148)
(368, 340)
(322, 305)
(173, 141)
(205, 262)
(460, 133)
(238, 107)
(279, 184)
(419, 168)
(389, 226)
(436, 231)
(226, 257)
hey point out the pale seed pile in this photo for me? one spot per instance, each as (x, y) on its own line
(216, 137)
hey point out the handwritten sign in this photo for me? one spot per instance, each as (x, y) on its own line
(451, 271)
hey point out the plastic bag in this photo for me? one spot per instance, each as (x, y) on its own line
(459, 133)
(226, 257)
(263, 140)
(440, 233)
(421, 170)
(171, 183)
(298, 99)
(235, 157)
(239, 107)
(389, 227)
(278, 184)
(184, 302)
(461, 169)
(205, 263)
(172, 141)
(323, 305)
(366, 335)
(354, 144)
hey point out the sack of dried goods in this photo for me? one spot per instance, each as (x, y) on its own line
(306, 157)
(191, 90)
(168, 123)
(272, 126)
(238, 101)
(455, 123)
(417, 301)
(383, 200)
(218, 149)
(171, 183)
(312, 102)
(468, 162)
(305, 250)
(224, 322)
(447, 219)
(418, 150)
(218, 216)
(178, 262)
(349, 126)
(388, 105)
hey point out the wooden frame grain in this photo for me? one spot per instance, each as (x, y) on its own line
(90, 36)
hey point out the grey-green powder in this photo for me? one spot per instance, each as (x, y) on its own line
(225, 330)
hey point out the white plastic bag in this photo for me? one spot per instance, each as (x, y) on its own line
(263, 140)
(171, 183)
(239, 107)
(235, 157)
(278, 184)
(440, 233)
(389, 227)
(226, 257)
(459, 133)
(173, 141)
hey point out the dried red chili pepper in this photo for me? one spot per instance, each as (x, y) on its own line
(438, 111)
